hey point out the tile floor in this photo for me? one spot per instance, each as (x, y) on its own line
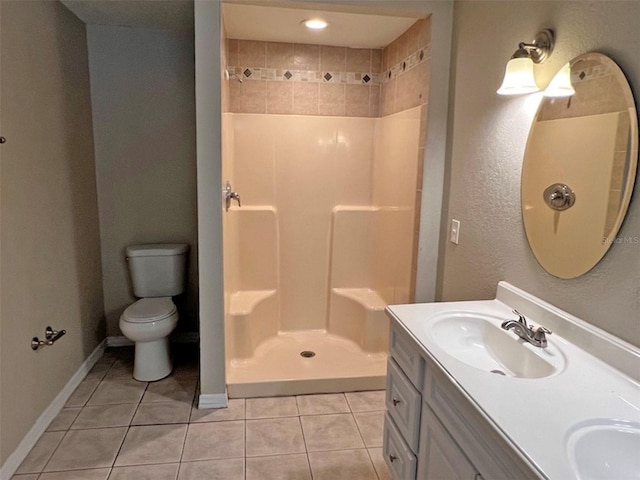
(115, 428)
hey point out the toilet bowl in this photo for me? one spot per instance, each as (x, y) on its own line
(149, 322)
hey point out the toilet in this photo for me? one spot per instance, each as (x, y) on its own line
(157, 274)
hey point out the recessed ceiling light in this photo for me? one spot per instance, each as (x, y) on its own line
(315, 24)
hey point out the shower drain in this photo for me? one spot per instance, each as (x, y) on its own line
(307, 354)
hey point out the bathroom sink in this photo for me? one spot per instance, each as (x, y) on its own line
(604, 449)
(478, 341)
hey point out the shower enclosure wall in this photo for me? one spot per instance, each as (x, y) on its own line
(325, 236)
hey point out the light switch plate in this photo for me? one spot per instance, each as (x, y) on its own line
(455, 231)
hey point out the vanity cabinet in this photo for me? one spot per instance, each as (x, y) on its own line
(431, 430)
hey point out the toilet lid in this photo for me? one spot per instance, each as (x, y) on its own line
(149, 310)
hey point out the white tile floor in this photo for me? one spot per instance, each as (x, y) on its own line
(115, 428)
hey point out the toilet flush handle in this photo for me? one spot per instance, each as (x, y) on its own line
(230, 194)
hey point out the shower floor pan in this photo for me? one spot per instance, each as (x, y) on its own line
(278, 368)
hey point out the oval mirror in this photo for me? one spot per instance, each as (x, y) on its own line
(579, 168)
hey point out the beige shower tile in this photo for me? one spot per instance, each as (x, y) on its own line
(92, 474)
(357, 100)
(370, 425)
(162, 413)
(279, 97)
(102, 416)
(232, 53)
(167, 471)
(331, 99)
(178, 389)
(333, 59)
(330, 432)
(86, 449)
(352, 464)
(41, 452)
(376, 60)
(214, 440)
(278, 467)
(118, 390)
(228, 469)
(306, 57)
(366, 401)
(271, 407)
(274, 436)
(379, 464)
(322, 404)
(64, 419)
(252, 96)
(358, 60)
(251, 53)
(374, 101)
(392, 53)
(27, 476)
(305, 98)
(388, 98)
(152, 444)
(279, 55)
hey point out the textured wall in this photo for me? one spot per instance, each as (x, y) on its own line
(489, 134)
(50, 255)
(142, 92)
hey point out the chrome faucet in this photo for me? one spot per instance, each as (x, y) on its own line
(535, 336)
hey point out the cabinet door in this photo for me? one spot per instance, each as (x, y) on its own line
(439, 457)
(398, 456)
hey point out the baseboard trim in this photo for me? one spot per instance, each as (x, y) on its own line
(17, 457)
(181, 337)
(212, 400)
(119, 341)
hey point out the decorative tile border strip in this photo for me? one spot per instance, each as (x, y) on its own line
(407, 64)
(310, 76)
(319, 76)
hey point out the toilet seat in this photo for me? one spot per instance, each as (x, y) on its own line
(147, 310)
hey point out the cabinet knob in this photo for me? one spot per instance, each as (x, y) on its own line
(392, 458)
(396, 401)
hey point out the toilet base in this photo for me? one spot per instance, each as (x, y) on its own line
(152, 360)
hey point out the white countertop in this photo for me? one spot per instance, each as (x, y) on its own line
(539, 414)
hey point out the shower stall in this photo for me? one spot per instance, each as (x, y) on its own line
(324, 145)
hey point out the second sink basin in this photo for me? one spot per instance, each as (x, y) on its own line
(605, 449)
(478, 341)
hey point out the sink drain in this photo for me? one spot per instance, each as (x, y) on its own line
(499, 372)
(307, 354)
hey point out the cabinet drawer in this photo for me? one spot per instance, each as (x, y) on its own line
(403, 404)
(405, 352)
(399, 458)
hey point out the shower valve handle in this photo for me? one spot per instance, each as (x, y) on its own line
(230, 194)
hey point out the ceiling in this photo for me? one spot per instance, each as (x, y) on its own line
(267, 21)
(277, 24)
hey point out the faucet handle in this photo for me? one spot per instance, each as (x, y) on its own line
(540, 335)
(521, 318)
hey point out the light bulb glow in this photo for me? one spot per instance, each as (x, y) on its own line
(518, 78)
(315, 24)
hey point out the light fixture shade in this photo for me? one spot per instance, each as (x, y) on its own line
(519, 78)
(560, 85)
(315, 24)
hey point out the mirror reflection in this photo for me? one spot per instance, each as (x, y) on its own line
(579, 168)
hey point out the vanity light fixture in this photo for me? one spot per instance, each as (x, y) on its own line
(519, 78)
(315, 24)
(560, 85)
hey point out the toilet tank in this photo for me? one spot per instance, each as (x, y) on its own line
(157, 270)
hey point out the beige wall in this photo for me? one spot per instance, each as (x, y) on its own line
(51, 273)
(142, 91)
(489, 134)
